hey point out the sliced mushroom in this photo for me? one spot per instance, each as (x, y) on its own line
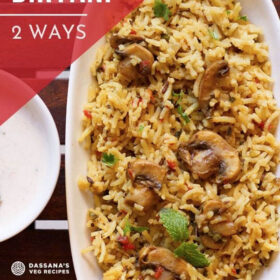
(208, 242)
(214, 205)
(137, 50)
(146, 173)
(224, 228)
(161, 256)
(211, 79)
(208, 154)
(145, 197)
(130, 72)
(117, 40)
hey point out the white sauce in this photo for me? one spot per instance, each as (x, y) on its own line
(23, 160)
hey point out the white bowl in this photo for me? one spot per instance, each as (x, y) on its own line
(260, 12)
(29, 164)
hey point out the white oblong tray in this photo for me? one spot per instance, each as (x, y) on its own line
(260, 12)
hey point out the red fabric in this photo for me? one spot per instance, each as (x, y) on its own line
(24, 57)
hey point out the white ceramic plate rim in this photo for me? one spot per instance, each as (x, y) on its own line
(53, 167)
(263, 14)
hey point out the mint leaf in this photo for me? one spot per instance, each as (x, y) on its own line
(190, 253)
(109, 159)
(161, 10)
(183, 115)
(129, 228)
(175, 223)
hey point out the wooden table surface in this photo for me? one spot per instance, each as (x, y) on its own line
(48, 246)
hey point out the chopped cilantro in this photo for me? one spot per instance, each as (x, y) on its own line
(141, 127)
(244, 18)
(213, 34)
(182, 114)
(161, 10)
(175, 223)
(129, 228)
(190, 253)
(178, 95)
(109, 159)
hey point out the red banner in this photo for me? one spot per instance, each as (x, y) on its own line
(37, 37)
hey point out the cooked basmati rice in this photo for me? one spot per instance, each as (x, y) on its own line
(129, 122)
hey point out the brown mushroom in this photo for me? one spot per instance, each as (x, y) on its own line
(212, 78)
(208, 242)
(146, 176)
(163, 257)
(137, 50)
(208, 154)
(224, 228)
(117, 40)
(214, 205)
(130, 72)
(146, 173)
(145, 197)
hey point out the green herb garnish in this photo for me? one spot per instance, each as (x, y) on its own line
(182, 114)
(228, 12)
(141, 127)
(129, 228)
(178, 95)
(244, 18)
(161, 10)
(213, 34)
(190, 253)
(109, 159)
(175, 223)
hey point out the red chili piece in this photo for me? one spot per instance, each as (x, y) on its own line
(158, 272)
(171, 164)
(87, 114)
(126, 244)
(260, 125)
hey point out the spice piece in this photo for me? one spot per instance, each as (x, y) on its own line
(158, 272)
(87, 114)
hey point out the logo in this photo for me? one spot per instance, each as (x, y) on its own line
(18, 268)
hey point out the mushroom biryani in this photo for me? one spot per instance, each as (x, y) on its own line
(180, 125)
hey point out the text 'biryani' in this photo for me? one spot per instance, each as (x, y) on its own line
(179, 126)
